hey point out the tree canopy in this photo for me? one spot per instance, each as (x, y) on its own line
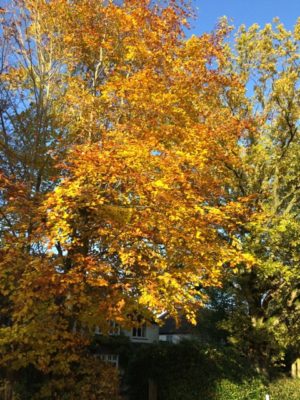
(139, 167)
(116, 146)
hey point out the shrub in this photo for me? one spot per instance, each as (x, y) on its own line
(181, 371)
(248, 390)
(189, 371)
(285, 389)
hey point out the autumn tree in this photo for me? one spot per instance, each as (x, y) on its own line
(117, 159)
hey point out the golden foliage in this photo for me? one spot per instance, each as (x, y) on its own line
(115, 186)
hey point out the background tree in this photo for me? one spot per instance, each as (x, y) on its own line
(265, 322)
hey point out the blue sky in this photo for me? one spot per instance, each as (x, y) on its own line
(244, 12)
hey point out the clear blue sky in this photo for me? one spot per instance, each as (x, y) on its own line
(244, 12)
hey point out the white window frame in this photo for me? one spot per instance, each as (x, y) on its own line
(139, 332)
(114, 328)
(110, 359)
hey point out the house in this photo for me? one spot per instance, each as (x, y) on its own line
(145, 333)
(174, 333)
(140, 334)
(108, 351)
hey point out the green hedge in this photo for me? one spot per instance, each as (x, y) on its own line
(281, 389)
(247, 390)
(181, 371)
(188, 371)
(285, 389)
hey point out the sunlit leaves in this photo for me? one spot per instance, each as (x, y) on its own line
(117, 198)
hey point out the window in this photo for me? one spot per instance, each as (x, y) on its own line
(139, 332)
(170, 338)
(114, 328)
(111, 359)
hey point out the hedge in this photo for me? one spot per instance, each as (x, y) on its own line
(188, 371)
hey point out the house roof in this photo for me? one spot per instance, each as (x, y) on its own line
(171, 328)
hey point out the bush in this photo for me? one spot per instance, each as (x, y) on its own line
(247, 390)
(89, 379)
(181, 371)
(189, 371)
(285, 389)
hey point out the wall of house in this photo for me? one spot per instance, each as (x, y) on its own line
(175, 337)
(151, 335)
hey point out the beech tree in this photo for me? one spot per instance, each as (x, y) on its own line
(117, 155)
